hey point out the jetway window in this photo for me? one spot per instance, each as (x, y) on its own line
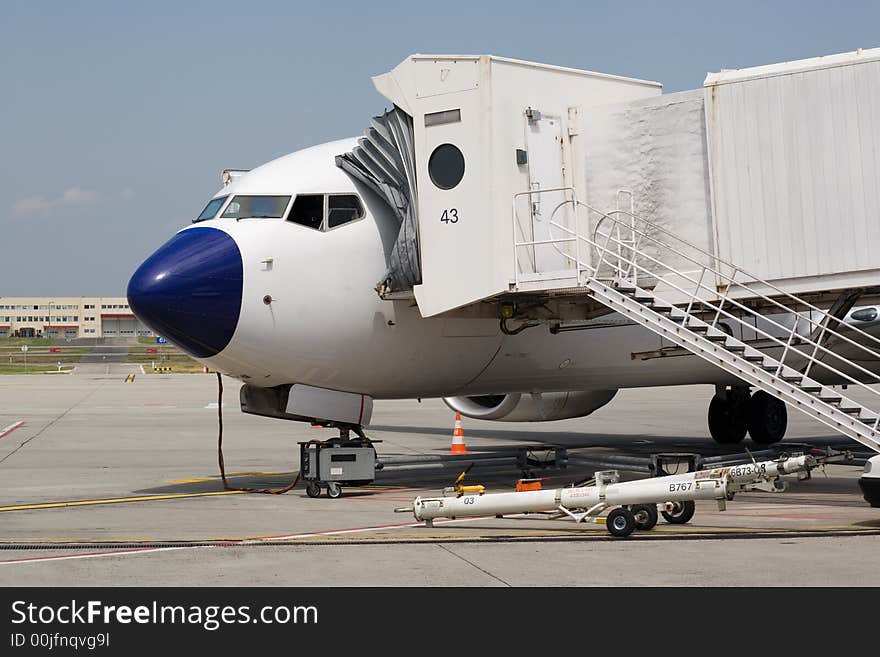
(342, 209)
(446, 166)
(212, 208)
(256, 207)
(308, 210)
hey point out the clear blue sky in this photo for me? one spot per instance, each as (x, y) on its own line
(116, 117)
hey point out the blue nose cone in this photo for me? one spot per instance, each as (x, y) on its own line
(189, 291)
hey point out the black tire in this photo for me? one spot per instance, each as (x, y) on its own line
(313, 489)
(767, 418)
(620, 522)
(645, 515)
(728, 419)
(334, 491)
(682, 514)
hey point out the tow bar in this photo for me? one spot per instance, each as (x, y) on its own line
(634, 504)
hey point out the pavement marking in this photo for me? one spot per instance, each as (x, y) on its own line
(354, 530)
(115, 500)
(242, 543)
(90, 555)
(12, 427)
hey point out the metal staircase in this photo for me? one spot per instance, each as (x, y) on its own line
(709, 298)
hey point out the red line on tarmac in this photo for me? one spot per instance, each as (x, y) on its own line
(12, 427)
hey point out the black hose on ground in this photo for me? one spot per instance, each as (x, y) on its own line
(226, 486)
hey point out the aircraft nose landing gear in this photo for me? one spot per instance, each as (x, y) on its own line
(733, 413)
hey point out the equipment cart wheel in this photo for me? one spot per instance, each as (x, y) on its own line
(681, 513)
(334, 491)
(645, 516)
(620, 522)
(313, 489)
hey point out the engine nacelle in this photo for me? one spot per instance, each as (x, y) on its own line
(535, 407)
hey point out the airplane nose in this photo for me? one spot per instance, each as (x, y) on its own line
(189, 290)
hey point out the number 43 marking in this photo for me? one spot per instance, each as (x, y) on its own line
(449, 216)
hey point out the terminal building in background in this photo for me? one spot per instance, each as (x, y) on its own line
(69, 317)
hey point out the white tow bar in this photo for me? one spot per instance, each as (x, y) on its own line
(634, 503)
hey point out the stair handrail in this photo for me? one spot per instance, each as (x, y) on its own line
(722, 299)
(779, 342)
(733, 283)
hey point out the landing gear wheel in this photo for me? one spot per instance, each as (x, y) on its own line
(681, 513)
(313, 490)
(728, 419)
(620, 522)
(767, 418)
(334, 491)
(645, 516)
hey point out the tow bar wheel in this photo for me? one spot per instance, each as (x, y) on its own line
(681, 512)
(620, 522)
(645, 515)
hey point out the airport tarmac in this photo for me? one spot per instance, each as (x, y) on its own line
(107, 482)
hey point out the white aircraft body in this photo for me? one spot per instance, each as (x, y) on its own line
(274, 285)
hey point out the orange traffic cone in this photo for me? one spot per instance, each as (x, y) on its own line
(458, 446)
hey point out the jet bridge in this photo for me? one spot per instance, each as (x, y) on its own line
(502, 169)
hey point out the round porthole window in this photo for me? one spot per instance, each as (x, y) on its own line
(446, 166)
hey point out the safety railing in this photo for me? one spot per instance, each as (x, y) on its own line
(629, 261)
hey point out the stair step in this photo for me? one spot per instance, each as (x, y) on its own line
(811, 388)
(736, 347)
(662, 309)
(643, 299)
(699, 328)
(718, 338)
(625, 289)
(851, 409)
(677, 318)
(755, 358)
(830, 400)
(792, 378)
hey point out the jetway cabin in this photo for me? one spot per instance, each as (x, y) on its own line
(511, 179)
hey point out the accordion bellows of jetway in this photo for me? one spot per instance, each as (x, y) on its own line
(515, 164)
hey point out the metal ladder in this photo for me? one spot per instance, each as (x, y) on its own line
(623, 269)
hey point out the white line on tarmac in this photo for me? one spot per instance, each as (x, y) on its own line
(93, 555)
(355, 530)
(145, 550)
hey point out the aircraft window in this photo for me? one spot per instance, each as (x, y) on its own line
(343, 208)
(212, 208)
(308, 210)
(259, 207)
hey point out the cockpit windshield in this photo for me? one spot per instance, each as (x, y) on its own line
(212, 208)
(262, 207)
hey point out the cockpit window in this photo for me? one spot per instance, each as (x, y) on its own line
(308, 210)
(325, 211)
(258, 207)
(342, 209)
(212, 208)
